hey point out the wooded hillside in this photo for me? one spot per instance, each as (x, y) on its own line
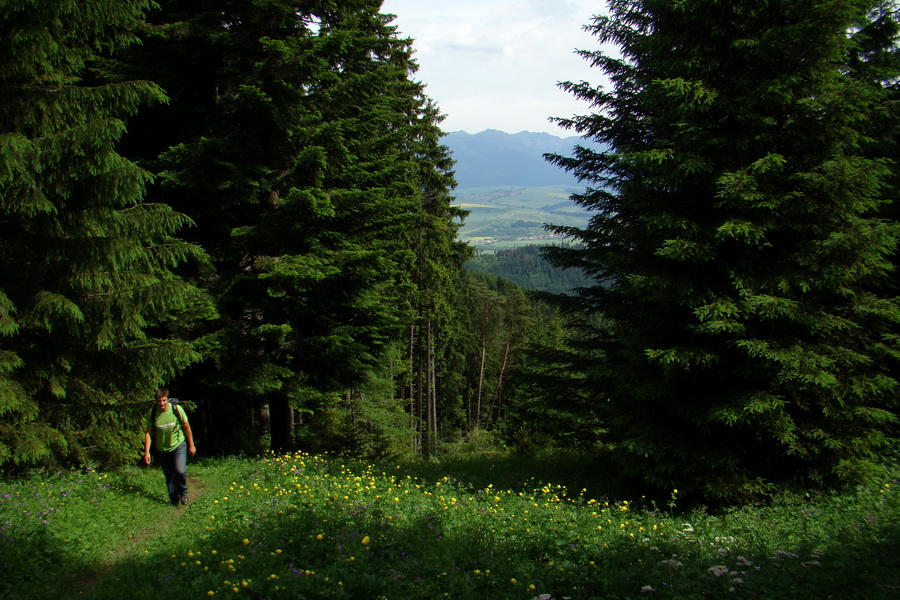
(526, 267)
(250, 203)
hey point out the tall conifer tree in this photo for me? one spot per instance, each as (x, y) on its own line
(733, 246)
(875, 60)
(434, 334)
(86, 284)
(298, 142)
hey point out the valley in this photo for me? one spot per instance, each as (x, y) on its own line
(510, 190)
(510, 216)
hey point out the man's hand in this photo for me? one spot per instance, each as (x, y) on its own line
(192, 449)
(146, 458)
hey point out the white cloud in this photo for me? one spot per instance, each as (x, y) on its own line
(495, 64)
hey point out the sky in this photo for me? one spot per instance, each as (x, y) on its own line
(495, 64)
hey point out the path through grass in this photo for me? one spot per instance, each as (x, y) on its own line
(127, 549)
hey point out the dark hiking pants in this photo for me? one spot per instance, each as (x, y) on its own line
(174, 466)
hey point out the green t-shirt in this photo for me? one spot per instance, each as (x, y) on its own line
(167, 434)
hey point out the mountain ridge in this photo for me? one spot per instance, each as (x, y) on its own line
(496, 158)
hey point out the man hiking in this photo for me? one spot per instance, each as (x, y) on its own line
(167, 428)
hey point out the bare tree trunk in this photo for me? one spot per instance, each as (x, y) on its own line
(350, 397)
(415, 440)
(475, 422)
(495, 401)
(432, 386)
(264, 426)
(421, 413)
(428, 391)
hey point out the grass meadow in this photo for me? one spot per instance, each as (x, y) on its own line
(302, 526)
(494, 212)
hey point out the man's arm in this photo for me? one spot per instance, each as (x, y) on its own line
(190, 438)
(147, 445)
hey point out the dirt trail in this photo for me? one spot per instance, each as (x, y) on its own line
(83, 585)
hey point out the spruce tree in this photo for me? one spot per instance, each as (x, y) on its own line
(737, 342)
(298, 142)
(430, 385)
(875, 60)
(86, 286)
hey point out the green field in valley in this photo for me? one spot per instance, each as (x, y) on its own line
(510, 216)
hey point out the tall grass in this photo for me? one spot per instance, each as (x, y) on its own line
(300, 526)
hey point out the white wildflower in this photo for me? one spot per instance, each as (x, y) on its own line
(725, 540)
(811, 563)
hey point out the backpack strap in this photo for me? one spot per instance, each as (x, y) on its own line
(175, 407)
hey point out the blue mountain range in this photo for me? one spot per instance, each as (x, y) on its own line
(496, 158)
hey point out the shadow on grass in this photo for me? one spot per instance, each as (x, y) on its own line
(27, 558)
(420, 547)
(592, 475)
(429, 554)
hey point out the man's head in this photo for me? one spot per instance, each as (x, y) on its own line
(162, 397)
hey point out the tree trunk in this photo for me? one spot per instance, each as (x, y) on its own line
(408, 391)
(432, 385)
(476, 418)
(281, 421)
(429, 417)
(262, 426)
(495, 401)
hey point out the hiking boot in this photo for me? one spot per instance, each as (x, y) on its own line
(183, 500)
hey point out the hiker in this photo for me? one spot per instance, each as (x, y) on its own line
(172, 440)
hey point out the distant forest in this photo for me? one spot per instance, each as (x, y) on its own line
(249, 202)
(526, 267)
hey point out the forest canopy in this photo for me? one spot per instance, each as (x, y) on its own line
(249, 203)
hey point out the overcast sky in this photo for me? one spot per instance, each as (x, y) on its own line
(494, 64)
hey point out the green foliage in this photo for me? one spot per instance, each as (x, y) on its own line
(525, 267)
(515, 384)
(87, 288)
(310, 161)
(739, 258)
(551, 404)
